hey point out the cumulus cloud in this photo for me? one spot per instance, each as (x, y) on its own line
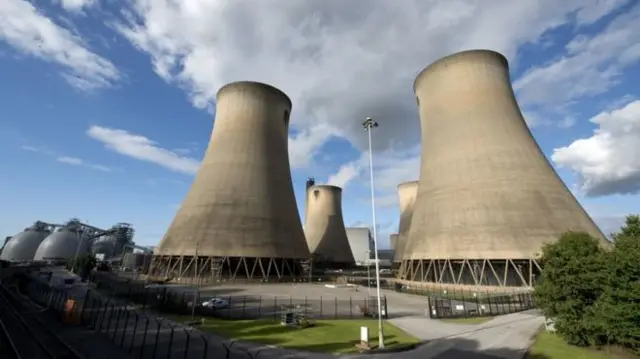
(591, 66)
(29, 31)
(142, 148)
(607, 162)
(339, 61)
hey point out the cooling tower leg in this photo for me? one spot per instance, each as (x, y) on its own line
(473, 272)
(213, 270)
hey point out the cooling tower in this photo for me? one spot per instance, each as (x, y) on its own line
(240, 217)
(393, 241)
(324, 226)
(407, 192)
(488, 199)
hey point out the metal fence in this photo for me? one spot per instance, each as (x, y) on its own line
(475, 306)
(166, 300)
(141, 335)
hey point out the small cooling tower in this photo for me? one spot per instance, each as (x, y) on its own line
(240, 217)
(324, 226)
(407, 192)
(23, 246)
(488, 199)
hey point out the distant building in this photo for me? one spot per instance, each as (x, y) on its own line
(361, 243)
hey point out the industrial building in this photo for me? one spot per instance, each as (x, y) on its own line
(487, 199)
(324, 228)
(60, 242)
(361, 244)
(239, 218)
(137, 261)
(407, 192)
(23, 246)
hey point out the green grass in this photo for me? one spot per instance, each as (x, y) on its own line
(470, 320)
(550, 346)
(328, 336)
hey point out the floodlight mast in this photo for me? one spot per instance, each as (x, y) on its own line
(368, 125)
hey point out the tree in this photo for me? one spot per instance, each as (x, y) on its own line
(573, 279)
(631, 228)
(619, 307)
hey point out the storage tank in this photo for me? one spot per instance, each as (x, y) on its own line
(23, 246)
(139, 261)
(64, 244)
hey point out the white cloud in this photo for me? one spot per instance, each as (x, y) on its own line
(591, 66)
(75, 161)
(28, 30)
(345, 174)
(70, 160)
(339, 61)
(76, 5)
(607, 162)
(142, 148)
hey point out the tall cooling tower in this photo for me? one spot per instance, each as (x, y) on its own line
(407, 192)
(240, 217)
(488, 199)
(324, 226)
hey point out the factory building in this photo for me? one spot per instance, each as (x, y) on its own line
(240, 217)
(324, 228)
(488, 199)
(361, 244)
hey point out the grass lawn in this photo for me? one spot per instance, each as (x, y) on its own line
(470, 320)
(328, 336)
(550, 346)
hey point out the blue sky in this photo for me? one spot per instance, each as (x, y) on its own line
(107, 106)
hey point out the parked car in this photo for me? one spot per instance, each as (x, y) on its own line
(215, 303)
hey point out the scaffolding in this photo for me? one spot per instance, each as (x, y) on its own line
(208, 269)
(478, 272)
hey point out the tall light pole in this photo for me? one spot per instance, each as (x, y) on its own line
(368, 125)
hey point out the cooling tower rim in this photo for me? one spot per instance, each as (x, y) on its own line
(456, 57)
(408, 183)
(326, 186)
(255, 85)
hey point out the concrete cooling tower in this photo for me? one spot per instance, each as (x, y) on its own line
(393, 241)
(324, 227)
(407, 192)
(240, 217)
(488, 199)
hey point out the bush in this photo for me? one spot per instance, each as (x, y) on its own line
(593, 293)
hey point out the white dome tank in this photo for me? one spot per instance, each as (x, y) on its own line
(63, 244)
(23, 246)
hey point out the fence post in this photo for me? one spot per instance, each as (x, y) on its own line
(275, 306)
(386, 308)
(244, 305)
(206, 346)
(115, 329)
(259, 306)
(126, 326)
(350, 308)
(155, 344)
(429, 310)
(113, 308)
(170, 342)
(321, 306)
(186, 344)
(335, 307)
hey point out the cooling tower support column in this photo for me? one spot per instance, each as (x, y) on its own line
(488, 199)
(241, 211)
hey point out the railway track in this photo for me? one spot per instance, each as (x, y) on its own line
(28, 335)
